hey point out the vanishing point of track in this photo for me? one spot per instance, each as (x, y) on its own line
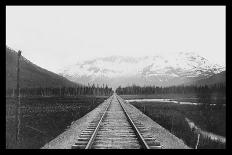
(114, 128)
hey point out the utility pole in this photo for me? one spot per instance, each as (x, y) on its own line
(17, 115)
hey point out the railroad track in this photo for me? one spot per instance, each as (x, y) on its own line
(114, 128)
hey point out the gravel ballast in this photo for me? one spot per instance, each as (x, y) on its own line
(70, 136)
(166, 139)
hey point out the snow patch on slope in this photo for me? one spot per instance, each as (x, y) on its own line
(162, 67)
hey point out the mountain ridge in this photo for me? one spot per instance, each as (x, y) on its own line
(31, 75)
(160, 70)
(214, 79)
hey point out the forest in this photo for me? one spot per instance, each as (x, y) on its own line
(135, 90)
(62, 91)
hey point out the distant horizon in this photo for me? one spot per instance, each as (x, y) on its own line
(54, 37)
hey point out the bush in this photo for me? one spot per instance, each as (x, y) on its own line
(173, 119)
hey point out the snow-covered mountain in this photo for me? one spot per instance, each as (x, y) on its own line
(160, 70)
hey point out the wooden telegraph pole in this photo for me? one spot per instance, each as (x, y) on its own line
(17, 115)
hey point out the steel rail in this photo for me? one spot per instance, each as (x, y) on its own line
(140, 137)
(91, 140)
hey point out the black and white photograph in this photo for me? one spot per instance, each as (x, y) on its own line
(115, 77)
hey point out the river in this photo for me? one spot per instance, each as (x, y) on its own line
(191, 124)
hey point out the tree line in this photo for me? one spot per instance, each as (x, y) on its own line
(136, 90)
(62, 91)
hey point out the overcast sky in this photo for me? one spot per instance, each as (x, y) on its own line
(56, 36)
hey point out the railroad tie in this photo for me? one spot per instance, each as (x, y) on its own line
(115, 128)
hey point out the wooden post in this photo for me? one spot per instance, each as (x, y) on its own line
(17, 114)
(198, 138)
(13, 93)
